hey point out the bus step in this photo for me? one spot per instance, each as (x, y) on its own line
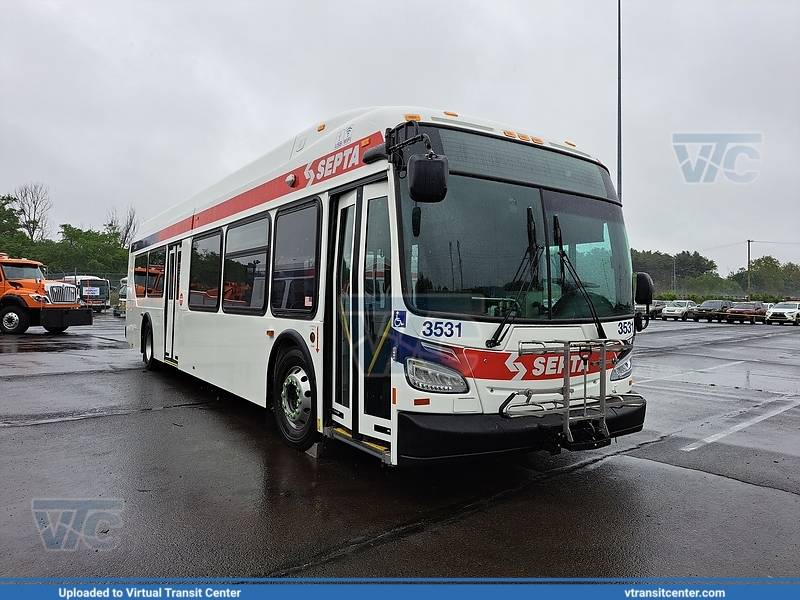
(382, 452)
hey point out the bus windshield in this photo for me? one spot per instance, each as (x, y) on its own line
(489, 247)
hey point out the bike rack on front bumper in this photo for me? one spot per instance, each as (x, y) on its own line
(583, 419)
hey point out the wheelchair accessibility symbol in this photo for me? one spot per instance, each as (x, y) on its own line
(399, 319)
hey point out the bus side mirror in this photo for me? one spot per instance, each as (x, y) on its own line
(427, 177)
(644, 289)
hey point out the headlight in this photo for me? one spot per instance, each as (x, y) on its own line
(624, 366)
(432, 377)
(39, 298)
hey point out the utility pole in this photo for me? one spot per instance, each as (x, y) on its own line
(674, 277)
(619, 100)
(748, 268)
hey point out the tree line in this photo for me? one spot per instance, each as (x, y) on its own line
(689, 274)
(25, 231)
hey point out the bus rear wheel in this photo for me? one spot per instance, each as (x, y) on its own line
(294, 400)
(14, 320)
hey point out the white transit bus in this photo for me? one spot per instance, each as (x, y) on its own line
(417, 283)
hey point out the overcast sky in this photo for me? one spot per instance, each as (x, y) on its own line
(120, 103)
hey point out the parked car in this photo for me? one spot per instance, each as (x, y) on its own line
(679, 309)
(655, 308)
(784, 312)
(747, 311)
(712, 309)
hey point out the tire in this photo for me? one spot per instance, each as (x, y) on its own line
(696, 319)
(294, 399)
(752, 320)
(14, 320)
(663, 318)
(710, 319)
(56, 329)
(148, 350)
(730, 320)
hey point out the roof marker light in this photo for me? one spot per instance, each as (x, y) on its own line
(450, 113)
(413, 118)
(510, 134)
(539, 141)
(568, 143)
(523, 137)
(321, 127)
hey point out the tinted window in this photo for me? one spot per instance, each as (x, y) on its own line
(245, 288)
(204, 272)
(140, 274)
(155, 272)
(295, 264)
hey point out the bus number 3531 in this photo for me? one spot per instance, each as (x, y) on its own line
(446, 329)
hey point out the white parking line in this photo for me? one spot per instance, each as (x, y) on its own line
(739, 427)
(730, 364)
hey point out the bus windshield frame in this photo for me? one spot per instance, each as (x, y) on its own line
(489, 248)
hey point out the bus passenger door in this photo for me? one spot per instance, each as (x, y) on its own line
(363, 308)
(173, 277)
(345, 382)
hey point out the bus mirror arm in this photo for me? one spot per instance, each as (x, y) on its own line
(375, 154)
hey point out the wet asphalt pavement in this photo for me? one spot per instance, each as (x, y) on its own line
(198, 484)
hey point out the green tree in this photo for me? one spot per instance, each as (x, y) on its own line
(9, 219)
(84, 251)
(13, 241)
(768, 276)
(657, 264)
(791, 280)
(693, 264)
(712, 285)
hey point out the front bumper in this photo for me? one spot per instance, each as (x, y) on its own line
(425, 437)
(64, 317)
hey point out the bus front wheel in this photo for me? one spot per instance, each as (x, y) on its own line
(294, 400)
(150, 363)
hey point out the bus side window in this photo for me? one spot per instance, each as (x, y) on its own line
(155, 272)
(295, 260)
(140, 274)
(204, 272)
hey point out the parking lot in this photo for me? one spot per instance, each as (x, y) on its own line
(198, 483)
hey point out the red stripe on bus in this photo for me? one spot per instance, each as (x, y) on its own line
(331, 165)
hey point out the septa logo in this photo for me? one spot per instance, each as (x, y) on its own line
(715, 151)
(336, 163)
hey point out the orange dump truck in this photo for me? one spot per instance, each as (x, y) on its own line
(27, 299)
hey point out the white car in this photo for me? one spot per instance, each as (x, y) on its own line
(784, 312)
(678, 309)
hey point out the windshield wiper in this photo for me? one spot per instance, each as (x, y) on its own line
(566, 261)
(530, 260)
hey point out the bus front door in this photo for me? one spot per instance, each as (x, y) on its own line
(363, 310)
